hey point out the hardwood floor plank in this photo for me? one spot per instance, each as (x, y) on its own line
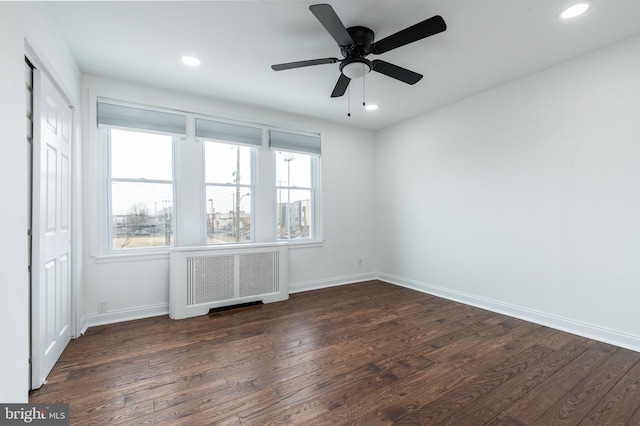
(451, 402)
(231, 421)
(576, 404)
(299, 414)
(211, 407)
(422, 387)
(201, 391)
(541, 398)
(359, 408)
(489, 406)
(617, 406)
(479, 353)
(635, 419)
(369, 353)
(135, 396)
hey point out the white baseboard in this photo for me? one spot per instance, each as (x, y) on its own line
(93, 320)
(121, 315)
(568, 325)
(331, 282)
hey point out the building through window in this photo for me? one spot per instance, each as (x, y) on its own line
(296, 158)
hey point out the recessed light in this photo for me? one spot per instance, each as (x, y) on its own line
(575, 10)
(192, 61)
(371, 107)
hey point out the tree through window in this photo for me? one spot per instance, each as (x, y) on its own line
(141, 189)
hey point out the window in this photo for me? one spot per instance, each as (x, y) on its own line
(140, 184)
(229, 150)
(228, 193)
(233, 182)
(295, 195)
(140, 189)
(296, 160)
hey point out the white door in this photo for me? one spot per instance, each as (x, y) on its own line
(50, 289)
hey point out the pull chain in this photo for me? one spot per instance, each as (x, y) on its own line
(348, 102)
(363, 76)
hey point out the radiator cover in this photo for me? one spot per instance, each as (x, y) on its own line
(202, 278)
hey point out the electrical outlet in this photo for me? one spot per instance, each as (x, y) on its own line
(102, 306)
(360, 263)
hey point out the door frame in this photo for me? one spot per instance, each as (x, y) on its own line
(75, 210)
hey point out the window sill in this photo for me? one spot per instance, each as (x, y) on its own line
(165, 253)
(131, 256)
(303, 244)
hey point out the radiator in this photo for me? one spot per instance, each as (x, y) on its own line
(202, 278)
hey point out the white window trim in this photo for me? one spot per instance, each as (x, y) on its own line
(263, 226)
(252, 189)
(316, 193)
(107, 242)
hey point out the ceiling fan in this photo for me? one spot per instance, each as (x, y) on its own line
(357, 42)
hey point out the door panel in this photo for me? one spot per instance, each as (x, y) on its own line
(51, 176)
(65, 203)
(51, 289)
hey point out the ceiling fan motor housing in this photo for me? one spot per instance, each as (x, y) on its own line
(362, 37)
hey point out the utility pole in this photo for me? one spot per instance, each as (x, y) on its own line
(237, 212)
(213, 216)
(288, 158)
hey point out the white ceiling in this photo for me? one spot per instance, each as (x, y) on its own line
(486, 44)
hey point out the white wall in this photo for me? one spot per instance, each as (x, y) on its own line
(52, 53)
(47, 52)
(136, 286)
(20, 21)
(524, 199)
(14, 282)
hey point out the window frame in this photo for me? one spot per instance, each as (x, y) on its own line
(189, 225)
(253, 155)
(315, 227)
(105, 135)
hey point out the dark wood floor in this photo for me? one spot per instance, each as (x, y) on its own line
(368, 353)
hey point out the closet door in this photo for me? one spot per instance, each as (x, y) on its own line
(51, 278)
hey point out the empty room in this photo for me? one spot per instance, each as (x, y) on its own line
(287, 212)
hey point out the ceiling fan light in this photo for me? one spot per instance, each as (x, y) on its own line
(355, 69)
(371, 107)
(575, 10)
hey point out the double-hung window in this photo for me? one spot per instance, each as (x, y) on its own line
(253, 184)
(140, 188)
(229, 157)
(296, 160)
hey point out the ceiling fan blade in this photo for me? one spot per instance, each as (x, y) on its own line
(300, 64)
(341, 86)
(396, 72)
(328, 18)
(426, 28)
